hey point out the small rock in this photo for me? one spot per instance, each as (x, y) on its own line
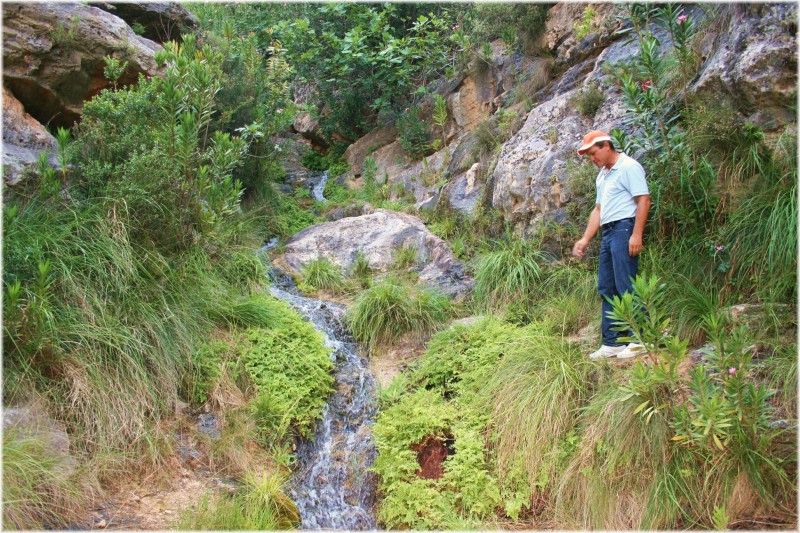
(101, 524)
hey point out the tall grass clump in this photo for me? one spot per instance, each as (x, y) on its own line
(38, 488)
(534, 393)
(260, 505)
(389, 309)
(510, 273)
(321, 273)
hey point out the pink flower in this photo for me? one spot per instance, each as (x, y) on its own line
(149, 78)
(732, 370)
(279, 110)
(455, 27)
(682, 19)
(719, 248)
(646, 85)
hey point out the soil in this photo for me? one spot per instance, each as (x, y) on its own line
(155, 500)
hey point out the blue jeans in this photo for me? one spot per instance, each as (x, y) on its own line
(615, 272)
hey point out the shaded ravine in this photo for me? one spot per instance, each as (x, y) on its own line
(332, 486)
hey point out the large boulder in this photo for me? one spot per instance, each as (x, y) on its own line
(53, 56)
(754, 64)
(24, 138)
(161, 21)
(378, 235)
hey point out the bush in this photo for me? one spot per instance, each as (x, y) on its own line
(589, 100)
(388, 310)
(414, 134)
(290, 367)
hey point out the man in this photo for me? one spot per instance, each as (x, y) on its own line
(621, 207)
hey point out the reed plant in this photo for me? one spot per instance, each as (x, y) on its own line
(321, 273)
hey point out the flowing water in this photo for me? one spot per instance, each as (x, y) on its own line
(318, 182)
(332, 486)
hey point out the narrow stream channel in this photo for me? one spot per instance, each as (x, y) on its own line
(332, 486)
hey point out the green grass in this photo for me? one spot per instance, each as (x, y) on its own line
(389, 309)
(38, 489)
(509, 273)
(321, 273)
(261, 505)
(405, 257)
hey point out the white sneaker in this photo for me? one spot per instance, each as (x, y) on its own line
(606, 351)
(632, 350)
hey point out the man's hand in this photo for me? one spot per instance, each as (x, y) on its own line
(580, 248)
(635, 245)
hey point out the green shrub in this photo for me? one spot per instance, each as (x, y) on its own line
(321, 273)
(314, 160)
(335, 192)
(361, 270)
(290, 367)
(589, 100)
(414, 134)
(388, 309)
(204, 371)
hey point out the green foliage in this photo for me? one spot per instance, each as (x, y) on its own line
(260, 505)
(518, 24)
(388, 310)
(585, 26)
(203, 371)
(290, 367)
(405, 256)
(510, 273)
(335, 192)
(114, 69)
(321, 273)
(314, 160)
(589, 100)
(37, 490)
(414, 134)
(365, 60)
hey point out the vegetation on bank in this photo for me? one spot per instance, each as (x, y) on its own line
(130, 283)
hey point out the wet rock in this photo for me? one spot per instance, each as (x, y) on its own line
(53, 56)
(24, 138)
(377, 236)
(162, 21)
(208, 424)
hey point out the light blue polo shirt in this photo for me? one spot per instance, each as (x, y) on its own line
(616, 188)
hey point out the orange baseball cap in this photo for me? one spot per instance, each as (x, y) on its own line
(591, 138)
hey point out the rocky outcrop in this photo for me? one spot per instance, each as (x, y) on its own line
(378, 235)
(357, 152)
(754, 65)
(53, 56)
(160, 21)
(24, 138)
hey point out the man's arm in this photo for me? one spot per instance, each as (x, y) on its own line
(642, 209)
(591, 230)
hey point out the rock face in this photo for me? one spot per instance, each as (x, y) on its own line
(377, 235)
(53, 56)
(754, 65)
(162, 21)
(357, 152)
(23, 139)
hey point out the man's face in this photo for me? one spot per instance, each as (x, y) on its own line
(599, 156)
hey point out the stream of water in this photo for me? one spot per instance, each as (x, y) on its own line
(332, 486)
